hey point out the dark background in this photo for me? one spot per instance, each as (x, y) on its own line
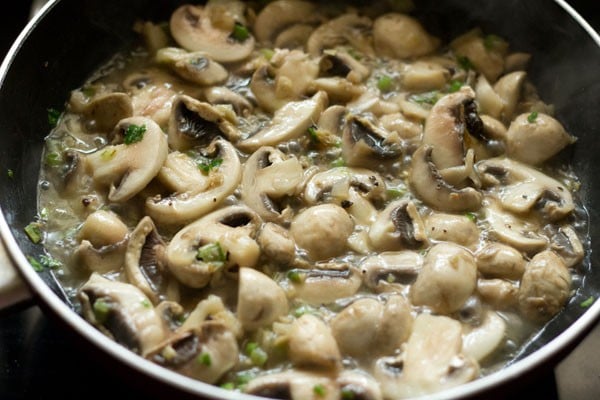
(41, 360)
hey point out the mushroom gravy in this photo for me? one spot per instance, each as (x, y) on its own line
(325, 202)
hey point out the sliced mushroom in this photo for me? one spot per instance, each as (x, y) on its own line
(370, 328)
(498, 260)
(293, 384)
(122, 312)
(424, 76)
(482, 340)
(289, 122)
(326, 283)
(348, 29)
(499, 293)
(489, 101)
(454, 228)
(276, 243)
(281, 14)
(194, 122)
(106, 110)
(486, 56)
(223, 95)
(447, 279)
(195, 67)
(144, 261)
(432, 360)
(431, 188)
(197, 199)
(401, 36)
(342, 64)
(358, 386)
(339, 90)
(545, 287)
(534, 142)
(523, 189)
(332, 119)
(365, 145)
(104, 240)
(322, 230)
(128, 168)
(269, 176)
(229, 233)
(566, 243)
(294, 37)
(398, 226)
(311, 344)
(211, 309)
(192, 28)
(260, 300)
(391, 269)
(510, 89)
(205, 354)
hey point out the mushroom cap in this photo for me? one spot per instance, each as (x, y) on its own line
(260, 300)
(278, 15)
(322, 230)
(400, 36)
(311, 343)
(192, 29)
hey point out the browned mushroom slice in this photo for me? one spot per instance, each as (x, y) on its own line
(429, 186)
(106, 110)
(194, 122)
(364, 144)
(193, 29)
(398, 226)
(122, 312)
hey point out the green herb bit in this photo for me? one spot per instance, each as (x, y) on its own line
(471, 216)
(88, 91)
(240, 32)
(312, 132)
(34, 232)
(455, 86)
(243, 377)
(465, 63)
(53, 159)
(204, 359)
(338, 162)
(146, 303)
(426, 98)
(295, 276)
(37, 267)
(304, 309)
(587, 302)
(258, 357)
(267, 53)
(101, 310)
(49, 262)
(228, 386)
(394, 193)
(53, 117)
(211, 253)
(44, 214)
(10, 173)
(385, 83)
(348, 394)
(134, 133)
(532, 117)
(209, 164)
(319, 390)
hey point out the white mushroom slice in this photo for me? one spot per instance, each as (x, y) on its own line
(339, 90)
(144, 261)
(366, 145)
(294, 37)
(510, 88)
(447, 279)
(260, 300)
(195, 67)
(154, 35)
(128, 168)
(270, 176)
(347, 29)
(519, 233)
(295, 384)
(369, 328)
(446, 126)
(322, 231)
(424, 76)
(342, 64)
(327, 284)
(499, 293)
(289, 122)
(523, 189)
(401, 36)
(280, 14)
(391, 269)
(276, 243)
(180, 174)
(406, 129)
(482, 340)
(454, 228)
(516, 62)
(199, 198)
(432, 360)
(311, 343)
(498, 260)
(205, 354)
(358, 385)
(219, 241)
(122, 312)
(398, 226)
(332, 119)
(494, 130)
(535, 141)
(431, 188)
(337, 181)
(489, 101)
(223, 95)
(545, 287)
(192, 29)
(103, 244)
(106, 110)
(211, 309)
(193, 122)
(567, 244)
(486, 56)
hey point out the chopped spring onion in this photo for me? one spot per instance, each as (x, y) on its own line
(34, 232)
(134, 133)
(209, 164)
(240, 32)
(211, 253)
(385, 83)
(532, 117)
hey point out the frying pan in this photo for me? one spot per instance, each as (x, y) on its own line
(71, 38)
